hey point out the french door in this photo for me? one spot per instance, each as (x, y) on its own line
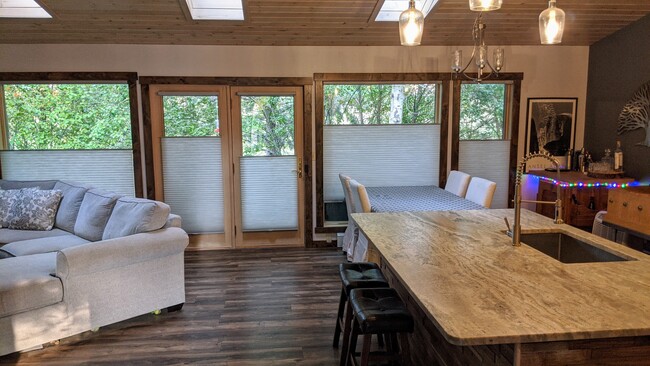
(227, 160)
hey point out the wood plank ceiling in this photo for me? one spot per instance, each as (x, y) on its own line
(310, 22)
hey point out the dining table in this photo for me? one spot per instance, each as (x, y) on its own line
(416, 198)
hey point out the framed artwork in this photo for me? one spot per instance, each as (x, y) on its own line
(551, 125)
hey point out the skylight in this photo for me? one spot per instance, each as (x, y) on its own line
(216, 9)
(391, 9)
(22, 9)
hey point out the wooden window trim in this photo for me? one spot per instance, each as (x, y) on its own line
(131, 79)
(373, 78)
(511, 119)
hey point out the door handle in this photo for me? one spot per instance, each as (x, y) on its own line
(298, 169)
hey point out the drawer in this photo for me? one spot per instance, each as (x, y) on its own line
(630, 208)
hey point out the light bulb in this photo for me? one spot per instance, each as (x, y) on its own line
(551, 24)
(411, 25)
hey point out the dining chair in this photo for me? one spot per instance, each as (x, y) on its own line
(361, 204)
(351, 230)
(481, 191)
(457, 183)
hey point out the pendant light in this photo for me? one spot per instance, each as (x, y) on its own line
(484, 5)
(411, 25)
(551, 24)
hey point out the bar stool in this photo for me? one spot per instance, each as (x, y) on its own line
(379, 311)
(354, 275)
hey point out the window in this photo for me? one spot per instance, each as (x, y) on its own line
(380, 129)
(73, 129)
(191, 115)
(482, 111)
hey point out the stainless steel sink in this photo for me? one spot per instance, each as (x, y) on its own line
(568, 249)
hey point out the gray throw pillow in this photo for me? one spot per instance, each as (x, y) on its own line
(93, 214)
(34, 209)
(135, 215)
(7, 199)
(73, 195)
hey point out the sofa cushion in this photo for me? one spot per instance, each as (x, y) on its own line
(135, 215)
(43, 245)
(12, 235)
(35, 209)
(26, 283)
(93, 214)
(18, 184)
(73, 195)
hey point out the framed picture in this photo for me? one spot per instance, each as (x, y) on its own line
(551, 125)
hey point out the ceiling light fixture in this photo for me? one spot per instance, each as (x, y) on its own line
(479, 56)
(411, 25)
(551, 24)
(484, 5)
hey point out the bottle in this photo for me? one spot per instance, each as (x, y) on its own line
(569, 159)
(581, 161)
(618, 157)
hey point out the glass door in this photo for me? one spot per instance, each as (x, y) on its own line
(267, 166)
(191, 159)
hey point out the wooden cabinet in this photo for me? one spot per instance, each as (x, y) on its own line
(582, 196)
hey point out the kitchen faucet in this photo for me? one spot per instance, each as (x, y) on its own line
(516, 231)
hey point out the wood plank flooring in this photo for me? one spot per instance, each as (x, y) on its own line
(243, 307)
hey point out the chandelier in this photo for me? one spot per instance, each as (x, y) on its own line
(485, 69)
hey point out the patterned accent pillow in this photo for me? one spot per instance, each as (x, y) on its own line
(8, 198)
(34, 209)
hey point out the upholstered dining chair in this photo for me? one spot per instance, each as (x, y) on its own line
(481, 191)
(361, 204)
(457, 183)
(351, 230)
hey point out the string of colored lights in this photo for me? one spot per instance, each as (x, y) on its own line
(587, 184)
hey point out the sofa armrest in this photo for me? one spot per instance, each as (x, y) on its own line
(120, 252)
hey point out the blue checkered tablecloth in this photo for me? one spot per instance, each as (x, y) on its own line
(416, 198)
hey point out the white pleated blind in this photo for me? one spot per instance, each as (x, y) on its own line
(489, 160)
(193, 182)
(106, 169)
(380, 155)
(269, 193)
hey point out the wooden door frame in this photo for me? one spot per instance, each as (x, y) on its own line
(305, 82)
(156, 114)
(266, 238)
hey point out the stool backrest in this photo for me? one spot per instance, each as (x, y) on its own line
(360, 199)
(457, 183)
(481, 191)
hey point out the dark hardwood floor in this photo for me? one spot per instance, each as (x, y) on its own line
(243, 307)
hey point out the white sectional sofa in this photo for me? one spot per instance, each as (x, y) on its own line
(107, 258)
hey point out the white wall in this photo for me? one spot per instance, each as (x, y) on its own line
(549, 71)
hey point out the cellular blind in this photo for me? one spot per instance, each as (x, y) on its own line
(380, 155)
(107, 169)
(489, 160)
(269, 193)
(193, 182)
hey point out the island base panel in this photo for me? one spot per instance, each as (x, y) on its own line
(429, 347)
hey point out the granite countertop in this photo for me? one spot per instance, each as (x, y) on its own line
(478, 289)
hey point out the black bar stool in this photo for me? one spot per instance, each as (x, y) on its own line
(379, 311)
(354, 275)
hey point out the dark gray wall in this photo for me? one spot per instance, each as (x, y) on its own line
(618, 65)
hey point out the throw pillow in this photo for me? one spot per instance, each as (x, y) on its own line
(73, 195)
(94, 212)
(135, 215)
(34, 209)
(7, 199)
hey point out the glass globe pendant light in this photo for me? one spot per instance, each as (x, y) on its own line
(551, 24)
(411, 25)
(484, 5)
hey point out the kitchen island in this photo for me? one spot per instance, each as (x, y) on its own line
(477, 299)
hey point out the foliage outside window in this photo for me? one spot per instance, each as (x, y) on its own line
(267, 125)
(373, 104)
(482, 111)
(67, 116)
(191, 115)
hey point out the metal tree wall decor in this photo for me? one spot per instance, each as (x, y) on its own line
(636, 114)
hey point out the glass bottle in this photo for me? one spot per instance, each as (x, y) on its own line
(608, 161)
(618, 157)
